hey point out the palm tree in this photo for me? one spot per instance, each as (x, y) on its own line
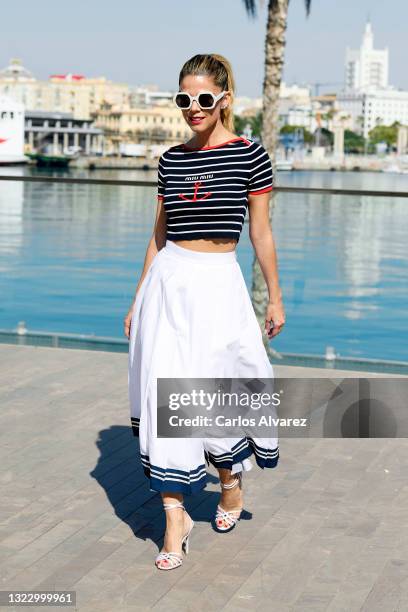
(275, 43)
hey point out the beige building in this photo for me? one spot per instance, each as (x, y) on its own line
(159, 124)
(66, 93)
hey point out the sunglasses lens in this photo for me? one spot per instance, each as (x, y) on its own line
(205, 100)
(182, 100)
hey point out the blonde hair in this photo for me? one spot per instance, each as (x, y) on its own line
(219, 68)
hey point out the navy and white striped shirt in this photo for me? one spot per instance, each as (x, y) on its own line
(205, 191)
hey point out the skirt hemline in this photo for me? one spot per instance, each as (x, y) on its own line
(169, 480)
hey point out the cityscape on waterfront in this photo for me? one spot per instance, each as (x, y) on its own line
(78, 117)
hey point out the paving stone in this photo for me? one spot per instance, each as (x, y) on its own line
(326, 530)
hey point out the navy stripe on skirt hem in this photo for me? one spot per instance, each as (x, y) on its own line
(135, 422)
(174, 481)
(264, 457)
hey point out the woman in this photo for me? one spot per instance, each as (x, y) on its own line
(192, 315)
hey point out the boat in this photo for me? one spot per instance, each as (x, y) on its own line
(50, 156)
(13, 160)
(284, 164)
(50, 161)
(394, 168)
(11, 132)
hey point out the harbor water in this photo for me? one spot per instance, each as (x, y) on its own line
(71, 256)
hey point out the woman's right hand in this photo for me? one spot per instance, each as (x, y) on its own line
(127, 322)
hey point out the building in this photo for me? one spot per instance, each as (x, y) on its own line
(158, 124)
(294, 94)
(295, 106)
(18, 83)
(148, 95)
(366, 67)
(367, 97)
(82, 96)
(59, 131)
(64, 93)
(382, 107)
(247, 107)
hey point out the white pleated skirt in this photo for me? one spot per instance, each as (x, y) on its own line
(193, 318)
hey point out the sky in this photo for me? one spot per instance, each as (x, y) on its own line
(140, 42)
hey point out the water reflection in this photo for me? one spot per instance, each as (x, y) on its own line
(71, 256)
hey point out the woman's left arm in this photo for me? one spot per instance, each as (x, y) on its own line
(260, 234)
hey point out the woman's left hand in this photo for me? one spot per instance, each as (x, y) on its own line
(276, 313)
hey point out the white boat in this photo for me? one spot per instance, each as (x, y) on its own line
(394, 168)
(284, 164)
(73, 151)
(11, 132)
(13, 160)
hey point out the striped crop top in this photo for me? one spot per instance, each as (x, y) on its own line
(205, 191)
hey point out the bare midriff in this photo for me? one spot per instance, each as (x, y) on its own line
(208, 245)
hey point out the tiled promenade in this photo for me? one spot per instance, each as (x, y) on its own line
(326, 530)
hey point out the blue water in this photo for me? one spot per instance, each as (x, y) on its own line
(71, 256)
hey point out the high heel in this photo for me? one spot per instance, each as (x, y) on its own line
(229, 516)
(174, 559)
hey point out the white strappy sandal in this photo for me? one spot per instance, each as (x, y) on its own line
(174, 559)
(231, 517)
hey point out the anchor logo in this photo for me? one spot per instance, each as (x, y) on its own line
(195, 198)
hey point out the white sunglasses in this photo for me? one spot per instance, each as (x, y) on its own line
(206, 100)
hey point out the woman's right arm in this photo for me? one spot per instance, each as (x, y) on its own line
(156, 243)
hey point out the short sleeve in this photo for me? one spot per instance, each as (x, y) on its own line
(261, 174)
(161, 181)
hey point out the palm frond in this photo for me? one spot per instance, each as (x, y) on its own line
(250, 6)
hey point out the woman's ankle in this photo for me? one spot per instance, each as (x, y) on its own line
(172, 498)
(225, 476)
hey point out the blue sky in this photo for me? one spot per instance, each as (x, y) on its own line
(147, 42)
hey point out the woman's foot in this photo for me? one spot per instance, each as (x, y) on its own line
(178, 523)
(231, 498)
